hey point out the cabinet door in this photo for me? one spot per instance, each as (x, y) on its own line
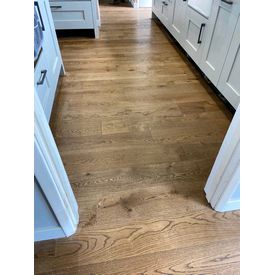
(221, 27)
(195, 26)
(42, 83)
(157, 7)
(177, 19)
(229, 82)
(166, 11)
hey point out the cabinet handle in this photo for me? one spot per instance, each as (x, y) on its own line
(164, 3)
(228, 2)
(42, 77)
(40, 17)
(56, 7)
(199, 38)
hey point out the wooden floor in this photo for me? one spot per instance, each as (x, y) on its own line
(138, 130)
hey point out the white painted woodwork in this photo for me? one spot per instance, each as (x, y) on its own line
(201, 6)
(50, 43)
(167, 12)
(51, 176)
(177, 19)
(164, 11)
(84, 14)
(43, 90)
(229, 82)
(98, 18)
(222, 24)
(192, 26)
(49, 59)
(72, 15)
(224, 180)
(46, 225)
(157, 8)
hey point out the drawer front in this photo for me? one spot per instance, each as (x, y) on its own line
(72, 15)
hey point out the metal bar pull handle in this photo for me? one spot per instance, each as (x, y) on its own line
(199, 38)
(40, 17)
(229, 2)
(42, 77)
(56, 7)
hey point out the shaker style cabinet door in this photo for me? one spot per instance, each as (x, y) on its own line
(167, 12)
(157, 7)
(177, 19)
(221, 27)
(42, 83)
(163, 9)
(229, 82)
(195, 26)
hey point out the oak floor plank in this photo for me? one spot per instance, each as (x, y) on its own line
(209, 261)
(196, 229)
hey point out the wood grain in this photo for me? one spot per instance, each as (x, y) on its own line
(138, 130)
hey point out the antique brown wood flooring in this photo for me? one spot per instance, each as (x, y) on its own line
(138, 130)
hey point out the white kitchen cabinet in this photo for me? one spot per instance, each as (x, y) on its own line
(209, 32)
(221, 27)
(50, 44)
(201, 6)
(177, 19)
(69, 14)
(157, 8)
(195, 26)
(229, 82)
(163, 9)
(167, 9)
(42, 83)
(72, 15)
(49, 64)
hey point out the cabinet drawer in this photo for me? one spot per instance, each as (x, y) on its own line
(72, 15)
